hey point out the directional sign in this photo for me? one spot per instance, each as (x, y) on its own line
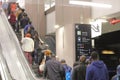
(96, 28)
(82, 40)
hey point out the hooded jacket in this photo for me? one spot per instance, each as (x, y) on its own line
(97, 71)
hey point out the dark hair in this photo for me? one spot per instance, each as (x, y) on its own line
(23, 10)
(94, 55)
(24, 14)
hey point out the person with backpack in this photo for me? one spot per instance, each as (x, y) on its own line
(66, 75)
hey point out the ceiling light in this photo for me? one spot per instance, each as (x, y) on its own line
(85, 3)
(101, 20)
(56, 26)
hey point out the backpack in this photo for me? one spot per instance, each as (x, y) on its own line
(67, 72)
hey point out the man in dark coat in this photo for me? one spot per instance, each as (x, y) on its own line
(53, 69)
(24, 21)
(79, 70)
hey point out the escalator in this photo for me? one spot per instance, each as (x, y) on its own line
(4, 71)
(17, 64)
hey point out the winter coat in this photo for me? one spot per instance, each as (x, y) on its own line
(36, 41)
(97, 70)
(79, 72)
(53, 70)
(76, 63)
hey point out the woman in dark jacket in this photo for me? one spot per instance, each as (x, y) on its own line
(36, 47)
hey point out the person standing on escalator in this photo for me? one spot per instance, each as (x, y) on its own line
(23, 22)
(12, 20)
(28, 47)
(36, 47)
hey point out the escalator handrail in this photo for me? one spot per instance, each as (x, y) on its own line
(24, 64)
(4, 70)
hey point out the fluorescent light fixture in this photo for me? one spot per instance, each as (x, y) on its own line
(85, 3)
(56, 26)
(108, 52)
(102, 20)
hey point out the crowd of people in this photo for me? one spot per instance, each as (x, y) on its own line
(94, 69)
(20, 22)
(50, 67)
(84, 69)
